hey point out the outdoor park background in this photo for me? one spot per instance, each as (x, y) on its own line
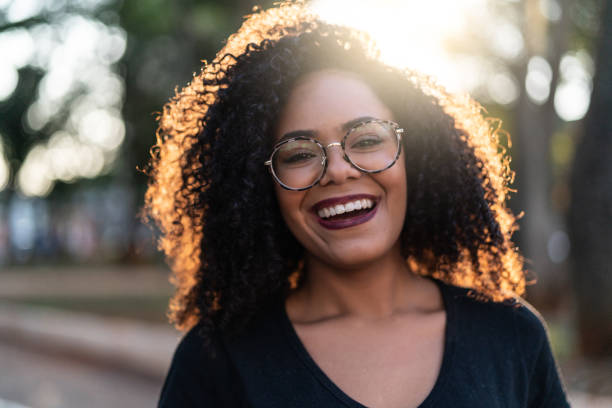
(82, 289)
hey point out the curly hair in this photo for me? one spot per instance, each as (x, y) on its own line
(214, 201)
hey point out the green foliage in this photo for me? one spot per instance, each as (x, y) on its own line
(149, 18)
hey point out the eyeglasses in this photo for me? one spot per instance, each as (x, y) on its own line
(371, 146)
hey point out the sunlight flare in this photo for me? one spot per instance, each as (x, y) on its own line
(410, 34)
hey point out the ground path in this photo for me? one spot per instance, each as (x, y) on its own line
(67, 357)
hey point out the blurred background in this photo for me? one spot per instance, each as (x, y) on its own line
(83, 290)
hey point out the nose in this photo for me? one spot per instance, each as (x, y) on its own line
(339, 169)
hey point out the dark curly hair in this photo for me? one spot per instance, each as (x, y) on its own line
(214, 201)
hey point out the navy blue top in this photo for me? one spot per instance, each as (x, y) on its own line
(495, 355)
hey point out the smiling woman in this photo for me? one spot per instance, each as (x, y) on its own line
(338, 234)
(327, 102)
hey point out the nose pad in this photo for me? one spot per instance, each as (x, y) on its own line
(339, 167)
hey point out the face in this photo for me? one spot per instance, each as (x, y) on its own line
(321, 105)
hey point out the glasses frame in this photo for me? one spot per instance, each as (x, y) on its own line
(398, 134)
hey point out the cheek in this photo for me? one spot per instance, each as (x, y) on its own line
(289, 203)
(397, 178)
(396, 187)
(399, 199)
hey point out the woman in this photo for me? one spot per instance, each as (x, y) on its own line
(338, 234)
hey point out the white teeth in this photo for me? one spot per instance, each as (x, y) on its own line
(345, 208)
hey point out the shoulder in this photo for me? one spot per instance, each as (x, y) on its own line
(513, 328)
(508, 342)
(469, 299)
(530, 324)
(200, 372)
(195, 348)
(514, 318)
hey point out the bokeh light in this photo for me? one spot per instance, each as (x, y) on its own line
(22, 9)
(507, 41)
(78, 100)
(558, 246)
(503, 88)
(4, 168)
(574, 91)
(102, 128)
(551, 9)
(33, 178)
(8, 81)
(538, 79)
(21, 46)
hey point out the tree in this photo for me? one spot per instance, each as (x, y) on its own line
(590, 217)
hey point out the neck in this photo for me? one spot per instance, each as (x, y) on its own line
(372, 291)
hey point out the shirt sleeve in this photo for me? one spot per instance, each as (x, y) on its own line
(200, 376)
(545, 385)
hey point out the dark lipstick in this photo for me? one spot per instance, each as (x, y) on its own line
(345, 221)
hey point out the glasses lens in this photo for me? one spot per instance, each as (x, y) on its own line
(372, 146)
(298, 163)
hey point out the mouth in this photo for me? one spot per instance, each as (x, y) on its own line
(347, 211)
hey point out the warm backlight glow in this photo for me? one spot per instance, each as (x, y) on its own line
(410, 33)
(468, 46)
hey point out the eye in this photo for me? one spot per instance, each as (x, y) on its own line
(365, 141)
(297, 157)
(298, 153)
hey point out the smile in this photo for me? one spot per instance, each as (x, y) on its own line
(344, 212)
(339, 209)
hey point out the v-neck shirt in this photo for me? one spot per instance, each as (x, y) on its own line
(495, 355)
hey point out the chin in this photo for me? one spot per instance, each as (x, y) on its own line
(354, 255)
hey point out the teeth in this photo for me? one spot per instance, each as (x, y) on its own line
(345, 208)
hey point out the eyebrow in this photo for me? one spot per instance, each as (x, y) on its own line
(312, 133)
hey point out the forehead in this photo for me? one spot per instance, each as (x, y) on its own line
(323, 100)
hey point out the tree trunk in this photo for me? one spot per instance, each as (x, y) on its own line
(535, 126)
(590, 217)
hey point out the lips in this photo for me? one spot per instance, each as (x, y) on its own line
(345, 211)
